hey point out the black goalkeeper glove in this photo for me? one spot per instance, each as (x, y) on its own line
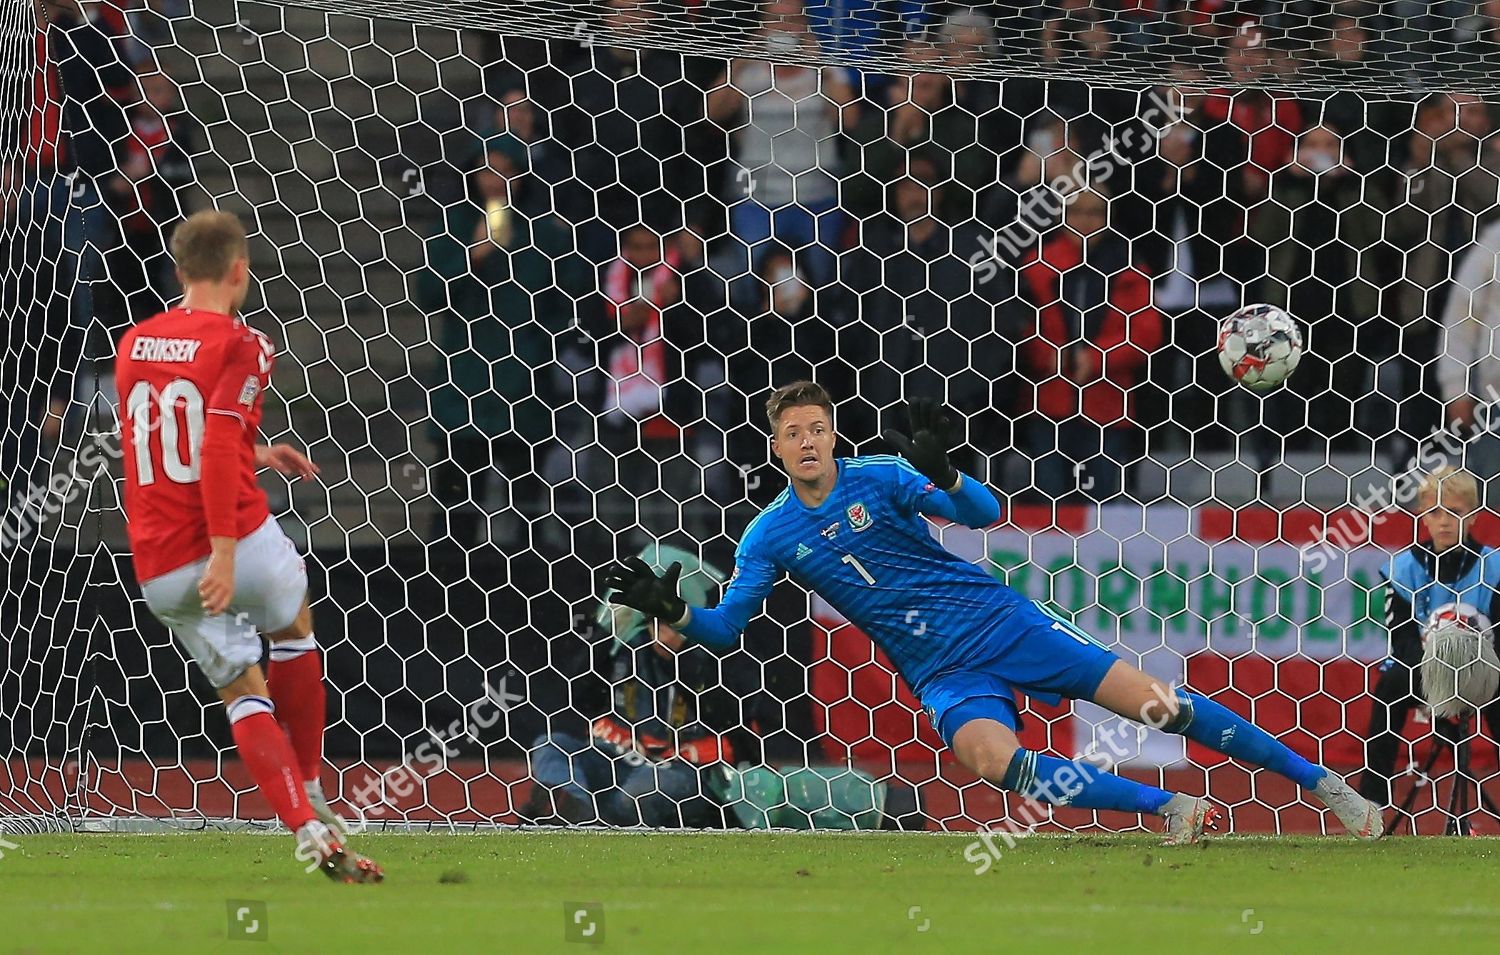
(927, 448)
(636, 585)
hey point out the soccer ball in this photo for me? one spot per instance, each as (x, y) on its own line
(1456, 616)
(1259, 346)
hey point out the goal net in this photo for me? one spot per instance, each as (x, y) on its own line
(533, 269)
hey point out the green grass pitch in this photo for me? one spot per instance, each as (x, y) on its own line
(753, 892)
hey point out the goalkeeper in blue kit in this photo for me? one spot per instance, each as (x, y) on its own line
(852, 529)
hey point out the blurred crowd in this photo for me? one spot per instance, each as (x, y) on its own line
(636, 245)
(1049, 256)
(90, 198)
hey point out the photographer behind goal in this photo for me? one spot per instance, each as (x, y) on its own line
(1436, 593)
(670, 720)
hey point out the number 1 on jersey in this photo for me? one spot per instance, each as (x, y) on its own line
(853, 561)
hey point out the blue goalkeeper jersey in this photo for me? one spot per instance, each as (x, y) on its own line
(868, 551)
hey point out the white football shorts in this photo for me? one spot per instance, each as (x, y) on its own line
(270, 583)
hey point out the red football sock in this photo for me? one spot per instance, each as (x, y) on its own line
(265, 751)
(295, 677)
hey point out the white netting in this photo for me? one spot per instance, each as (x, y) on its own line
(534, 267)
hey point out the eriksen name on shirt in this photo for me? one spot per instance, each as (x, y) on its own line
(150, 348)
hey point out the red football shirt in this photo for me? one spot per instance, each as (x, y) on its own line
(174, 371)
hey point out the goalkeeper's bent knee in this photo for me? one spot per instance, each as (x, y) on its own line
(1179, 722)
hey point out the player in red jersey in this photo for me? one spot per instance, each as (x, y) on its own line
(213, 564)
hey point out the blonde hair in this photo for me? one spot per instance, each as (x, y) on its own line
(207, 243)
(1450, 480)
(794, 395)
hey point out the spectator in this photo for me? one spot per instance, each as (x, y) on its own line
(504, 277)
(1322, 232)
(780, 338)
(1452, 568)
(1029, 201)
(34, 309)
(147, 25)
(1452, 184)
(670, 721)
(639, 287)
(1080, 40)
(923, 113)
(1209, 20)
(1452, 191)
(1079, 36)
(1370, 124)
(785, 121)
(1093, 332)
(148, 193)
(1472, 33)
(93, 77)
(1469, 360)
(966, 39)
(515, 128)
(854, 26)
(703, 395)
(642, 474)
(621, 118)
(1468, 364)
(72, 130)
(1193, 233)
(89, 80)
(1488, 27)
(1269, 121)
(1346, 42)
(704, 290)
(922, 319)
(1140, 22)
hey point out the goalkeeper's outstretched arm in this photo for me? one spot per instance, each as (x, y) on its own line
(720, 627)
(636, 585)
(930, 482)
(970, 503)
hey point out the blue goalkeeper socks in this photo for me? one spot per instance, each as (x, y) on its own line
(1078, 783)
(1065, 782)
(1225, 731)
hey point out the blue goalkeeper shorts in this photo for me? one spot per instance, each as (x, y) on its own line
(1039, 654)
